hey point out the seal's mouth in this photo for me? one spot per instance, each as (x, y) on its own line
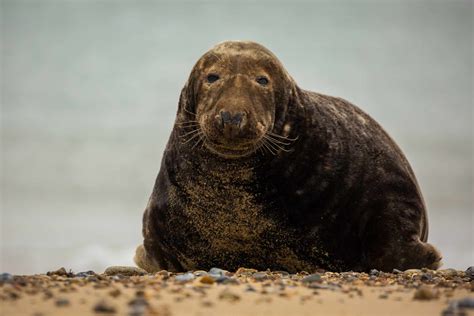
(232, 152)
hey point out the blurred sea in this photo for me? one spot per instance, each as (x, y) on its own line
(89, 91)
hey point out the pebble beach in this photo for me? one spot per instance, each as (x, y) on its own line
(132, 291)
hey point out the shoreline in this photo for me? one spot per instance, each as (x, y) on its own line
(132, 291)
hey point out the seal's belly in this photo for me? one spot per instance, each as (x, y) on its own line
(229, 227)
(231, 219)
(239, 234)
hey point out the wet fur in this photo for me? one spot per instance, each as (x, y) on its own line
(342, 196)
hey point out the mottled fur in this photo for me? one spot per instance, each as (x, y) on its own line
(339, 194)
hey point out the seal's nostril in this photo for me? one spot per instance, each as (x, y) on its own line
(228, 119)
(237, 119)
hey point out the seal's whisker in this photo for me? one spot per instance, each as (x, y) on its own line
(259, 148)
(282, 137)
(189, 112)
(189, 126)
(204, 139)
(271, 149)
(266, 146)
(275, 140)
(185, 141)
(198, 141)
(255, 147)
(276, 145)
(191, 132)
(273, 146)
(188, 123)
(192, 137)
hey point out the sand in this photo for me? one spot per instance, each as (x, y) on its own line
(131, 291)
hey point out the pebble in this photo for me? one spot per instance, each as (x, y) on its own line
(316, 285)
(284, 274)
(245, 271)
(425, 293)
(60, 272)
(227, 295)
(103, 307)
(260, 276)
(115, 292)
(61, 302)
(426, 277)
(199, 273)
(6, 277)
(374, 272)
(216, 272)
(396, 271)
(92, 278)
(84, 274)
(124, 270)
(163, 274)
(311, 278)
(207, 303)
(226, 280)
(138, 306)
(349, 278)
(206, 279)
(185, 277)
(457, 308)
(467, 302)
(447, 272)
(470, 272)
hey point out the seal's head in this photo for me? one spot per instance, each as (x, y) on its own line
(235, 95)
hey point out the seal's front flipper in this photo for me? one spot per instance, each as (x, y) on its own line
(143, 261)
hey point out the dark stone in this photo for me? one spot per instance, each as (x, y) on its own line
(6, 277)
(226, 280)
(61, 272)
(61, 302)
(470, 272)
(426, 277)
(467, 302)
(138, 306)
(103, 307)
(85, 274)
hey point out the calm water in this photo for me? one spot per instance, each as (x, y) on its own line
(90, 90)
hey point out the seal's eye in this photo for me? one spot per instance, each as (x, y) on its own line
(262, 80)
(212, 78)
